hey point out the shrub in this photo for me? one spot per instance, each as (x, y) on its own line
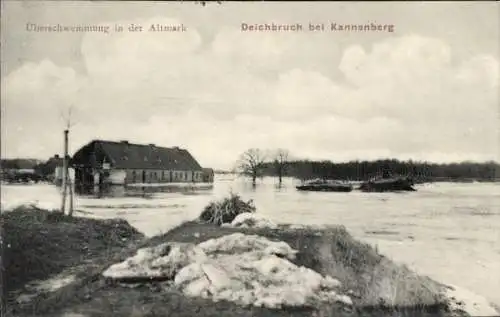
(225, 210)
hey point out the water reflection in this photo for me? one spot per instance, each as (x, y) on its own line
(146, 192)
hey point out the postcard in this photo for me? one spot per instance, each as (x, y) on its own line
(222, 158)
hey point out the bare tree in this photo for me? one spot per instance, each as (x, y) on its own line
(251, 162)
(281, 163)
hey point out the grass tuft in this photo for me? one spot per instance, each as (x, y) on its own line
(225, 210)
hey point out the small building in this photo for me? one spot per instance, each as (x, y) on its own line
(20, 170)
(52, 169)
(208, 175)
(121, 163)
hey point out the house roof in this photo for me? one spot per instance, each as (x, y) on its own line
(55, 161)
(129, 156)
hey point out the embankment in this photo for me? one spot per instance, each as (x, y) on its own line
(43, 244)
(39, 244)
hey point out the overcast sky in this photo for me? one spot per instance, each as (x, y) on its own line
(429, 90)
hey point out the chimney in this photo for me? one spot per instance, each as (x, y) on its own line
(56, 156)
(151, 145)
(124, 141)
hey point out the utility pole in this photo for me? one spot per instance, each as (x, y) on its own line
(70, 184)
(66, 178)
(65, 172)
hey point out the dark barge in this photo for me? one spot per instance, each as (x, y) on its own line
(325, 186)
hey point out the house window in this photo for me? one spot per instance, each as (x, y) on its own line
(133, 176)
(162, 175)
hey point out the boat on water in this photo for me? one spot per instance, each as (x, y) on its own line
(388, 184)
(319, 185)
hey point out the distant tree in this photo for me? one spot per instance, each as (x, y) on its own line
(10, 164)
(281, 163)
(251, 163)
(204, 3)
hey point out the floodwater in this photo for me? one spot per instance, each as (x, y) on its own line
(450, 232)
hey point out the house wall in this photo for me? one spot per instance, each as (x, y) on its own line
(117, 177)
(132, 176)
(208, 176)
(97, 178)
(185, 176)
(58, 173)
(198, 176)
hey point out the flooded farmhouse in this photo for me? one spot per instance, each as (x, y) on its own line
(103, 162)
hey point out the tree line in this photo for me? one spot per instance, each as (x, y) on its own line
(44, 169)
(20, 163)
(257, 163)
(363, 170)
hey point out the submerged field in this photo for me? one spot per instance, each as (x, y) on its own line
(43, 244)
(446, 231)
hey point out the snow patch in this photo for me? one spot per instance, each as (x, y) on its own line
(55, 283)
(161, 261)
(471, 303)
(35, 203)
(238, 243)
(245, 269)
(38, 287)
(74, 315)
(251, 220)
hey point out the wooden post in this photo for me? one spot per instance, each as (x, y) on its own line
(70, 184)
(65, 172)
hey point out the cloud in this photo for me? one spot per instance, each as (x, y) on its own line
(405, 96)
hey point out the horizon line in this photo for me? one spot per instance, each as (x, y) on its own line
(419, 161)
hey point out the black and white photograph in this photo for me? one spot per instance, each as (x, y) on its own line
(250, 158)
